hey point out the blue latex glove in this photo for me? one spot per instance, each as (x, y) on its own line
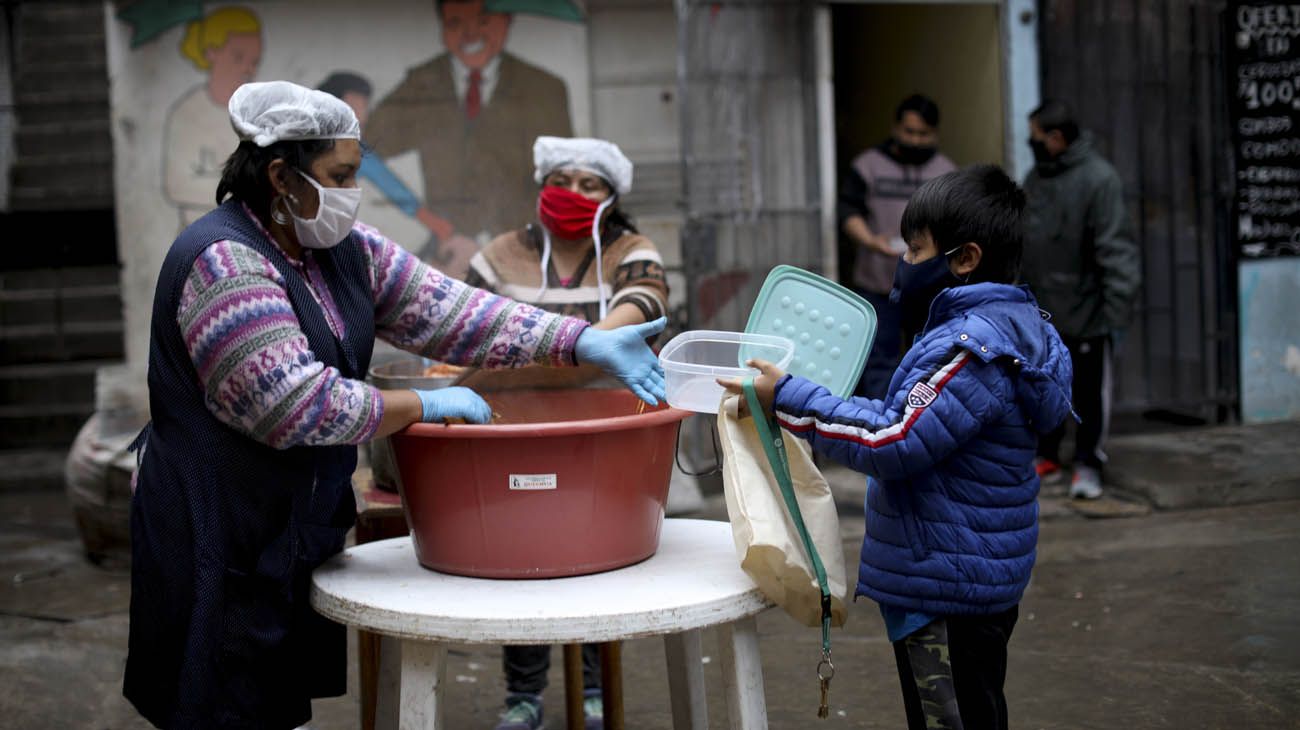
(454, 402)
(624, 354)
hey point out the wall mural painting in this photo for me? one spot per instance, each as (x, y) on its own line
(470, 112)
(226, 45)
(488, 106)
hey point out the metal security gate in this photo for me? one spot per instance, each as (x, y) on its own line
(748, 149)
(1146, 76)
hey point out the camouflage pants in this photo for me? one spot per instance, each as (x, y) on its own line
(931, 663)
(952, 672)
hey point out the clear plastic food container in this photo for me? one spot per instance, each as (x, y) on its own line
(694, 360)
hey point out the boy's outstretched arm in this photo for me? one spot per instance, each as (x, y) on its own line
(945, 402)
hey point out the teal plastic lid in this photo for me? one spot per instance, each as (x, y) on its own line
(831, 327)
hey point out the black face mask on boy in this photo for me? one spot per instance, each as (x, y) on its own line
(916, 286)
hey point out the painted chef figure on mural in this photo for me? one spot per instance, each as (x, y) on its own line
(472, 113)
(227, 46)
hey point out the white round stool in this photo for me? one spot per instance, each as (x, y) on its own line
(693, 582)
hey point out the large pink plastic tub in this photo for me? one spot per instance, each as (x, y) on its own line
(565, 482)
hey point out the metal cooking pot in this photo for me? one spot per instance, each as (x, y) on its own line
(396, 375)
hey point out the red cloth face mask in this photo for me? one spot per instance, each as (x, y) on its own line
(565, 213)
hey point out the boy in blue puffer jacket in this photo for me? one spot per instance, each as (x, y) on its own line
(951, 508)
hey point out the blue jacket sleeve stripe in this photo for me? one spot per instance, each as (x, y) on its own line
(918, 399)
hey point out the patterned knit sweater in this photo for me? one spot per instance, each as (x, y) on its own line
(261, 378)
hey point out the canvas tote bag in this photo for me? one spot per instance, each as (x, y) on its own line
(767, 536)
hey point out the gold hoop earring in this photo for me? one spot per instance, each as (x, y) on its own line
(277, 215)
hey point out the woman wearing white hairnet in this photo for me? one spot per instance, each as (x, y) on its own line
(264, 318)
(584, 258)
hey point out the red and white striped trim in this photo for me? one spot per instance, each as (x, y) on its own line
(888, 435)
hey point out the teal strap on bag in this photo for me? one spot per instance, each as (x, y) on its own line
(769, 434)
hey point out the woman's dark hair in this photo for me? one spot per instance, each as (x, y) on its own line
(978, 204)
(922, 105)
(619, 218)
(244, 175)
(1053, 115)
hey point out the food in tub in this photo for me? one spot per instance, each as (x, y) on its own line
(443, 370)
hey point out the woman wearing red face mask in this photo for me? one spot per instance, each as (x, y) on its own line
(584, 258)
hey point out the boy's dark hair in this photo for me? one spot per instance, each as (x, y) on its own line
(977, 204)
(922, 105)
(244, 175)
(345, 82)
(1053, 115)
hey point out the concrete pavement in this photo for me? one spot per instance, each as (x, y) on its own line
(1162, 620)
(1209, 467)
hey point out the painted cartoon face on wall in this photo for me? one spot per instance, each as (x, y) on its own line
(226, 47)
(472, 34)
(234, 63)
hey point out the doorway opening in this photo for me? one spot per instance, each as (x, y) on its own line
(885, 52)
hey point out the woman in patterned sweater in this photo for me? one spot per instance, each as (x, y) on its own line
(585, 259)
(264, 318)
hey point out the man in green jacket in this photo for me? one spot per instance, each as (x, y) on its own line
(1084, 266)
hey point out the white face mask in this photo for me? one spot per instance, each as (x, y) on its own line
(335, 216)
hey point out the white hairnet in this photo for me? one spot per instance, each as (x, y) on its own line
(584, 153)
(267, 112)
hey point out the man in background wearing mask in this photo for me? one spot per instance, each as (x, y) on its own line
(872, 197)
(1084, 266)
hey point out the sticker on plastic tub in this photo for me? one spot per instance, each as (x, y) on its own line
(532, 482)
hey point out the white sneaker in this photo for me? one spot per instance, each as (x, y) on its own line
(1086, 483)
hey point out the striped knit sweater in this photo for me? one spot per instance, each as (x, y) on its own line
(261, 378)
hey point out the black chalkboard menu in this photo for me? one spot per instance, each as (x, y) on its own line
(1263, 63)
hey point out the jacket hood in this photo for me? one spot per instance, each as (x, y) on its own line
(1078, 152)
(1004, 321)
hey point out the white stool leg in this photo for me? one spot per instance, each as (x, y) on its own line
(424, 677)
(388, 682)
(742, 674)
(686, 680)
